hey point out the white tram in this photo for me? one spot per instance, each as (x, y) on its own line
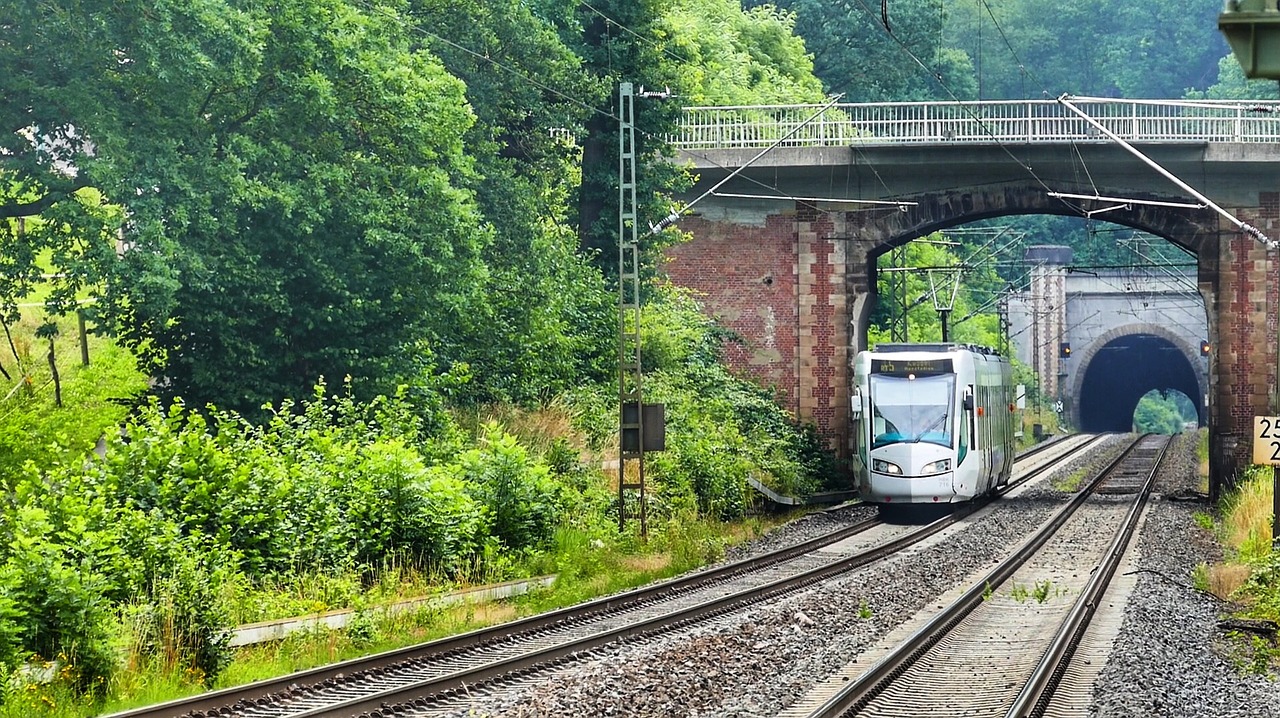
(933, 423)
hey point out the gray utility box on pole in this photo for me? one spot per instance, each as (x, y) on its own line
(1252, 29)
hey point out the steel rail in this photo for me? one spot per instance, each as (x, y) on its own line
(1033, 699)
(856, 694)
(218, 701)
(550, 656)
(443, 686)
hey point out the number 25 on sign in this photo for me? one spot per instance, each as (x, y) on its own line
(1266, 440)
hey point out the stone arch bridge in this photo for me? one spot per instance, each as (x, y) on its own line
(785, 248)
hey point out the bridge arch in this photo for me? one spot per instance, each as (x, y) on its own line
(1093, 392)
(924, 214)
(1122, 365)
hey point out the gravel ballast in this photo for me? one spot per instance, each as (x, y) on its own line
(1169, 658)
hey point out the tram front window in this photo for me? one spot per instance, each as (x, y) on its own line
(911, 409)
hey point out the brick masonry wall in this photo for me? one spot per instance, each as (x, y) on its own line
(745, 277)
(781, 288)
(1244, 366)
(823, 336)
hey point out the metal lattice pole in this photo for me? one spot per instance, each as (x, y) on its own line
(630, 395)
(898, 288)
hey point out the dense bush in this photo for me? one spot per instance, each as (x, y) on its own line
(60, 567)
(721, 429)
(521, 501)
(186, 504)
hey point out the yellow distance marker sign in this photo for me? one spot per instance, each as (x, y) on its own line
(1266, 440)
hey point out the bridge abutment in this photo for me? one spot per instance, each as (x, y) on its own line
(794, 286)
(1240, 282)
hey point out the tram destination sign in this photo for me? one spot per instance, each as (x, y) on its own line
(1266, 440)
(903, 367)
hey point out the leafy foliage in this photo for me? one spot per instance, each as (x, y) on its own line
(1164, 412)
(623, 41)
(1033, 48)
(290, 176)
(520, 498)
(971, 316)
(721, 429)
(856, 55)
(732, 57)
(1233, 85)
(185, 503)
(540, 317)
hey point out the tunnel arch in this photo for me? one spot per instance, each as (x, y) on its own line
(1122, 365)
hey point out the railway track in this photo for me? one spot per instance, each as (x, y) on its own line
(431, 673)
(1004, 643)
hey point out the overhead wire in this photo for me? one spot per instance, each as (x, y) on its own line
(938, 78)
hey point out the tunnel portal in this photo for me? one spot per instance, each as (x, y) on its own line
(1123, 370)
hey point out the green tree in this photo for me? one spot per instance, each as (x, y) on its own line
(735, 57)
(624, 41)
(1034, 48)
(1161, 412)
(1233, 85)
(288, 176)
(972, 318)
(542, 319)
(869, 56)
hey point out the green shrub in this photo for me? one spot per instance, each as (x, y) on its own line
(191, 622)
(521, 500)
(394, 506)
(12, 618)
(60, 597)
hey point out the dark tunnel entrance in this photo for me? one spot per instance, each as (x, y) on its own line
(1122, 371)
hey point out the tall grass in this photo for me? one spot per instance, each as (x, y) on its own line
(1248, 571)
(587, 567)
(1246, 516)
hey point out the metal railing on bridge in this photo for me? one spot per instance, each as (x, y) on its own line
(1012, 121)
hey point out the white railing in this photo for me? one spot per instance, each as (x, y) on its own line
(1014, 121)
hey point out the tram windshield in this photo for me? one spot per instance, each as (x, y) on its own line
(911, 409)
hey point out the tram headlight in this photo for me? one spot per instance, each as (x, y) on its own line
(884, 467)
(938, 467)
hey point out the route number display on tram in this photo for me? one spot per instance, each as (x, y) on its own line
(1266, 440)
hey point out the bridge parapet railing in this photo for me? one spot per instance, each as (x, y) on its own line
(1012, 121)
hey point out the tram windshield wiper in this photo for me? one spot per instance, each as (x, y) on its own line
(942, 418)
